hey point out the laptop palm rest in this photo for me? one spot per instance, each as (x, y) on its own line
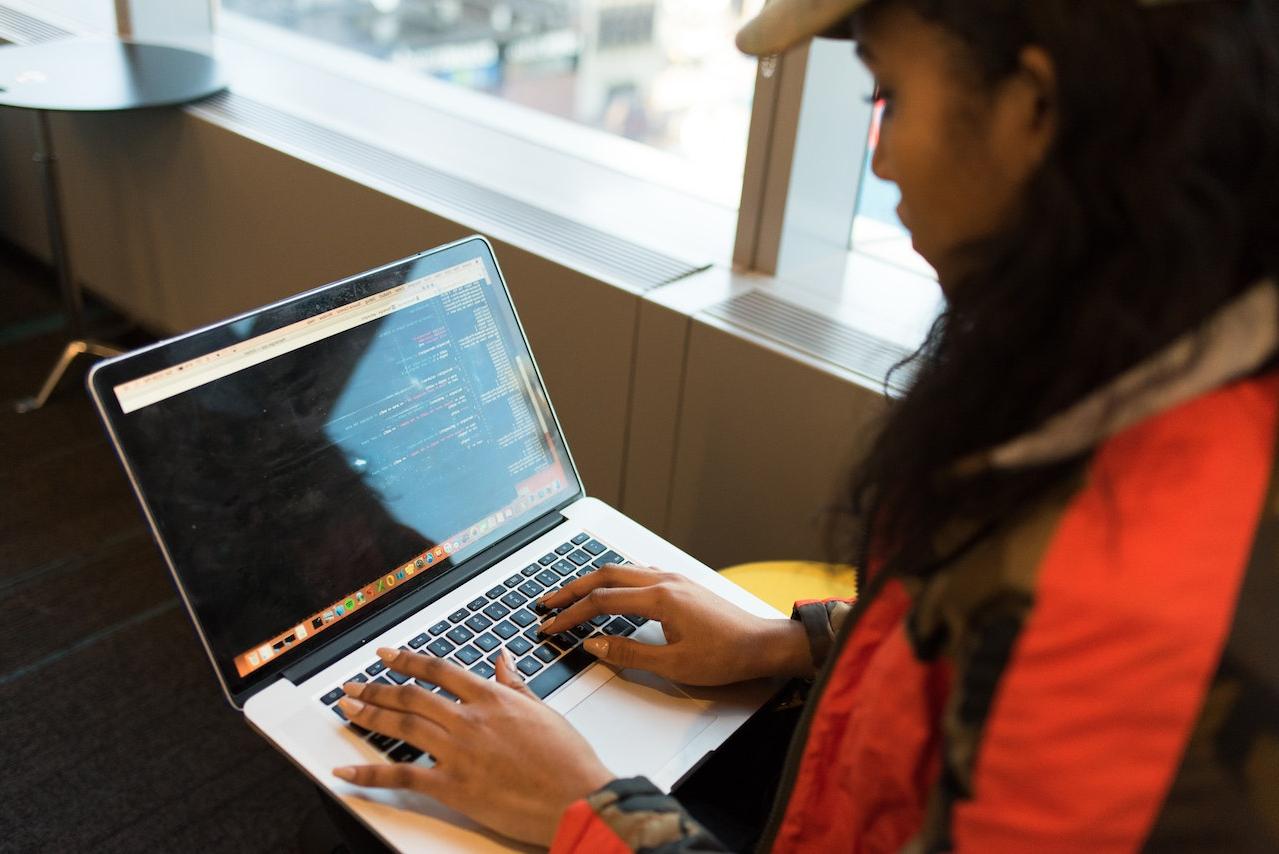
(637, 702)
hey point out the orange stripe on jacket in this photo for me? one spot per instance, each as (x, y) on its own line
(1134, 602)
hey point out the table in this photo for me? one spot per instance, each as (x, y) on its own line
(91, 75)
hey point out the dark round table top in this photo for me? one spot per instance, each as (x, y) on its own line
(104, 74)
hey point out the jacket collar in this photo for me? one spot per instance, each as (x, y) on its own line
(1236, 341)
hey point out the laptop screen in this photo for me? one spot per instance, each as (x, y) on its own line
(312, 462)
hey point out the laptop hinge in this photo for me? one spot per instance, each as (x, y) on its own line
(432, 590)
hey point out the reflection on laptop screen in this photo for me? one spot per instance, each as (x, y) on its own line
(338, 455)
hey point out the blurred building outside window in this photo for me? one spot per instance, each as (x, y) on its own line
(663, 73)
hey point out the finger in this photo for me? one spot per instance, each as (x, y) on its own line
(406, 726)
(405, 698)
(624, 652)
(507, 675)
(437, 671)
(644, 601)
(399, 775)
(609, 575)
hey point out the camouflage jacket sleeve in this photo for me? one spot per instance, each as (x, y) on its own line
(822, 621)
(631, 816)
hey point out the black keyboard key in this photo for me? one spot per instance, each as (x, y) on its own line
(487, 642)
(421, 639)
(478, 623)
(619, 627)
(585, 571)
(505, 630)
(565, 640)
(519, 646)
(337, 710)
(468, 655)
(495, 592)
(528, 666)
(404, 753)
(583, 630)
(531, 569)
(513, 599)
(381, 680)
(534, 633)
(483, 670)
(382, 742)
(547, 577)
(459, 615)
(531, 589)
(459, 634)
(477, 603)
(439, 628)
(636, 619)
(375, 668)
(359, 677)
(333, 696)
(514, 580)
(600, 619)
(608, 557)
(496, 610)
(425, 686)
(545, 654)
(580, 538)
(564, 568)
(595, 547)
(546, 560)
(397, 677)
(560, 672)
(448, 695)
(563, 548)
(579, 558)
(440, 647)
(524, 617)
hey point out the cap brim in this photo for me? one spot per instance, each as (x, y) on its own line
(785, 23)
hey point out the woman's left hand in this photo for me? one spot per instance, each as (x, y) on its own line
(502, 756)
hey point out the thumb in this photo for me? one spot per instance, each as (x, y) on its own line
(624, 652)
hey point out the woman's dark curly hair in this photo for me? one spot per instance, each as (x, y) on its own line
(1157, 204)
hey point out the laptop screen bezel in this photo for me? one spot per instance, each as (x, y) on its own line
(106, 375)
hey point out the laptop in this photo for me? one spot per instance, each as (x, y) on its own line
(376, 463)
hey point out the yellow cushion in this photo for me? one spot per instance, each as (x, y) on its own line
(782, 583)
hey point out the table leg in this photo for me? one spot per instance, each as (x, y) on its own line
(72, 299)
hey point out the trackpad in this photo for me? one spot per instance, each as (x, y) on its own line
(638, 722)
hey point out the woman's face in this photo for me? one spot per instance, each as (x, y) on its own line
(960, 153)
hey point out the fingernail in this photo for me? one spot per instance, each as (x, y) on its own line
(353, 689)
(507, 662)
(347, 774)
(387, 654)
(351, 706)
(597, 647)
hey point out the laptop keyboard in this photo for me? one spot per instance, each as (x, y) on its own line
(473, 636)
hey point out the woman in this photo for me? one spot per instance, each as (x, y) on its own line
(1066, 636)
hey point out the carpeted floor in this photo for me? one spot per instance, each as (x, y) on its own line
(115, 734)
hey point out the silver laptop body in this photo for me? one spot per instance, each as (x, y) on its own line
(376, 463)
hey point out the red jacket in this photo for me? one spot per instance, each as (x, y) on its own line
(1103, 675)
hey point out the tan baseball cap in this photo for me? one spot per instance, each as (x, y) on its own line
(785, 23)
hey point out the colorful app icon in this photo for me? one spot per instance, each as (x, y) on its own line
(408, 570)
(316, 623)
(448, 548)
(338, 611)
(430, 559)
(327, 616)
(253, 659)
(439, 552)
(399, 576)
(266, 652)
(456, 545)
(359, 597)
(301, 632)
(419, 563)
(381, 585)
(390, 581)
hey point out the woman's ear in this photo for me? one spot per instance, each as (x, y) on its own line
(1026, 124)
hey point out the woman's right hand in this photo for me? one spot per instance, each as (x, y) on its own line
(709, 640)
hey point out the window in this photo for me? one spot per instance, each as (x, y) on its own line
(663, 73)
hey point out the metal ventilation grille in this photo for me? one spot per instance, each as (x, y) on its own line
(625, 261)
(817, 336)
(18, 28)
